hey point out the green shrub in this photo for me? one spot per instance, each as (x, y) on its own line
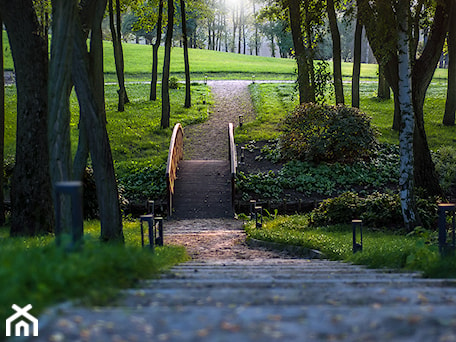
(377, 210)
(341, 209)
(174, 83)
(326, 133)
(445, 165)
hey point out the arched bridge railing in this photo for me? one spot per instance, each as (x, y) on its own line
(175, 154)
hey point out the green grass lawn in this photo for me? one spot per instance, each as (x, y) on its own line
(274, 101)
(34, 271)
(381, 249)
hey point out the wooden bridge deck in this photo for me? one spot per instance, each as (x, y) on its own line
(203, 190)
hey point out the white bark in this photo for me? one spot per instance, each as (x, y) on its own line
(407, 118)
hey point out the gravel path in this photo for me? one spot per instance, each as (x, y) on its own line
(209, 140)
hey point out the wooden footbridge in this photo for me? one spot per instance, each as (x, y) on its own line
(200, 188)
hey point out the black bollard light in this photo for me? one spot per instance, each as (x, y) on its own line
(158, 226)
(357, 225)
(252, 209)
(445, 210)
(74, 190)
(242, 161)
(150, 226)
(259, 216)
(151, 207)
(241, 120)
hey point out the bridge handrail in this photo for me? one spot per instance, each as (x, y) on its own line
(175, 154)
(233, 160)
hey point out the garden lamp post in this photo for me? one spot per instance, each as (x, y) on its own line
(357, 225)
(446, 209)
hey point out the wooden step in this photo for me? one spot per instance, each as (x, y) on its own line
(203, 190)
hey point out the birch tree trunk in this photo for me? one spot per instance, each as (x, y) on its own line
(406, 182)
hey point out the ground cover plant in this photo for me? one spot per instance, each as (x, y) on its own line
(274, 102)
(381, 249)
(34, 271)
(138, 144)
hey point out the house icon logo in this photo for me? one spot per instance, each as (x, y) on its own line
(21, 321)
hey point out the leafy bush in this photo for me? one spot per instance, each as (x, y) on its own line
(326, 133)
(382, 171)
(445, 164)
(376, 210)
(143, 183)
(174, 83)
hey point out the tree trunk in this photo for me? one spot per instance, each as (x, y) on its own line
(306, 91)
(233, 47)
(241, 11)
(450, 104)
(422, 73)
(31, 198)
(406, 183)
(155, 47)
(93, 122)
(356, 63)
(2, 127)
(59, 116)
(188, 98)
(423, 70)
(118, 53)
(383, 90)
(336, 49)
(166, 108)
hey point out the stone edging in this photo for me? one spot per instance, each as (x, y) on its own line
(290, 249)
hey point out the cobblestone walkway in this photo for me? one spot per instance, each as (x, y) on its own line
(229, 292)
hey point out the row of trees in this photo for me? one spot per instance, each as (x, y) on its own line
(238, 27)
(393, 29)
(43, 148)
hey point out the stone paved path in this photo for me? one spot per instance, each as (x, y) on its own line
(229, 292)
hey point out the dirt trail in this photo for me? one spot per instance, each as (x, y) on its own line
(209, 140)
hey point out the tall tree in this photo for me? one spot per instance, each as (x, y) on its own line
(155, 47)
(450, 104)
(60, 86)
(93, 118)
(356, 62)
(306, 90)
(116, 35)
(380, 22)
(166, 108)
(337, 53)
(2, 126)
(188, 96)
(383, 90)
(31, 200)
(406, 182)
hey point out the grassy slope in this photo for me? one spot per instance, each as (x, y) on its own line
(34, 271)
(274, 101)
